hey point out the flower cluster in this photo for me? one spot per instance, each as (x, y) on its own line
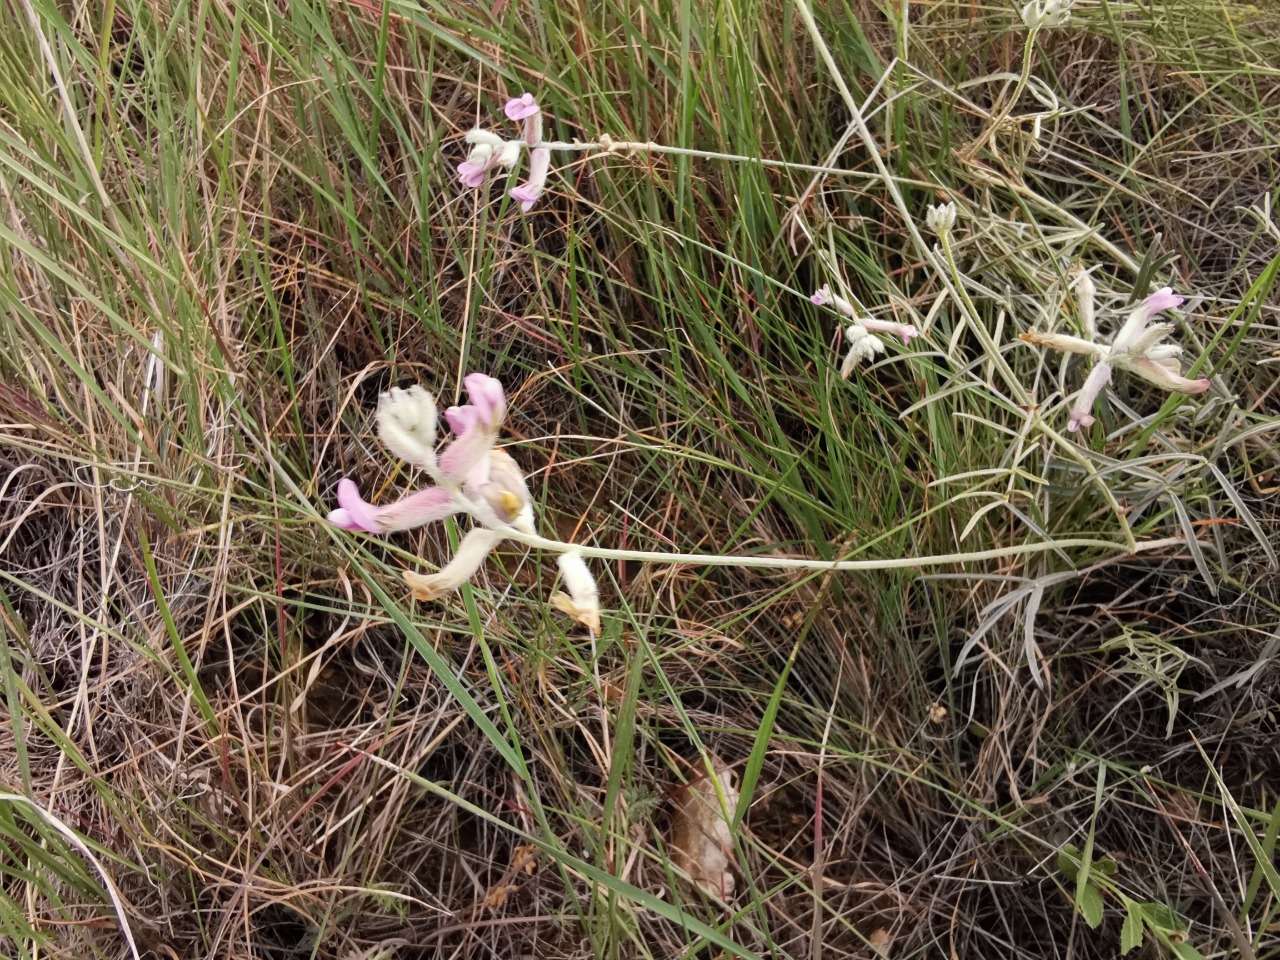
(1137, 347)
(941, 218)
(861, 333)
(490, 151)
(1046, 13)
(470, 476)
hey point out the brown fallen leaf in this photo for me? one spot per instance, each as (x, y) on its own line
(496, 898)
(524, 857)
(701, 842)
(585, 614)
(881, 940)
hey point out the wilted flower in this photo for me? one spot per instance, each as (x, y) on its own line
(582, 602)
(471, 476)
(1136, 348)
(1086, 293)
(863, 344)
(1046, 13)
(941, 218)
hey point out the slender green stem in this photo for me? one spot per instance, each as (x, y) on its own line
(607, 145)
(534, 541)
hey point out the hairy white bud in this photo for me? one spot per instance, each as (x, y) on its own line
(941, 218)
(407, 425)
(1046, 13)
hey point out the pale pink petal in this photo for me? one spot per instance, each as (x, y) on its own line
(461, 419)
(341, 518)
(824, 297)
(472, 174)
(527, 195)
(353, 513)
(1082, 412)
(1162, 299)
(488, 398)
(416, 510)
(1166, 376)
(520, 107)
(460, 459)
(1140, 316)
(904, 330)
(529, 191)
(533, 128)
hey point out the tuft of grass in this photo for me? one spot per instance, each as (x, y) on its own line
(227, 227)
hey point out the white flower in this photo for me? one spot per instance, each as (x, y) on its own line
(407, 425)
(1046, 13)
(1136, 348)
(863, 345)
(941, 219)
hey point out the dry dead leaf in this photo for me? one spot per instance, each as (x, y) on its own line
(585, 614)
(524, 858)
(881, 940)
(496, 898)
(701, 843)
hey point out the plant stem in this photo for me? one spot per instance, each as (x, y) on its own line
(1002, 112)
(798, 563)
(607, 145)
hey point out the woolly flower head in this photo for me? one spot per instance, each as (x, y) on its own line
(941, 218)
(861, 334)
(471, 476)
(1046, 13)
(863, 345)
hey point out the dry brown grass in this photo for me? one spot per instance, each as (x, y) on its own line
(207, 684)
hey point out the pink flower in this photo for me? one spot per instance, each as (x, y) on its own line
(529, 191)
(1137, 347)
(1082, 411)
(476, 426)
(469, 464)
(518, 108)
(525, 108)
(489, 399)
(904, 331)
(415, 510)
(488, 150)
(472, 174)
